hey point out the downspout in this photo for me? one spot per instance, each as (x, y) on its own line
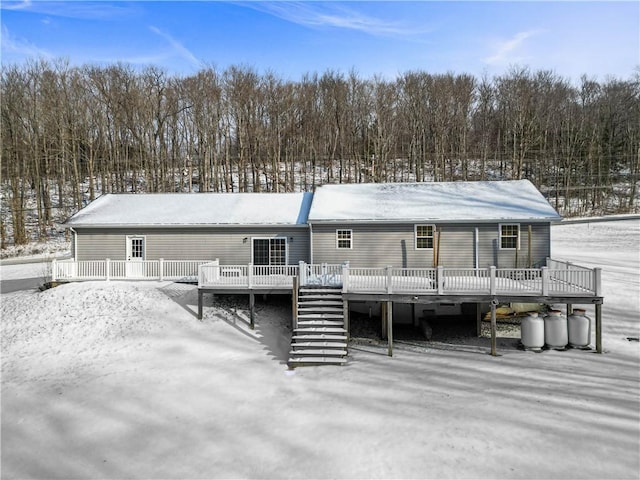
(310, 244)
(476, 242)
(75, 244)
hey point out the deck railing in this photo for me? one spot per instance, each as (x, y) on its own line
(246, 276)
(173, 270)
(557, 278)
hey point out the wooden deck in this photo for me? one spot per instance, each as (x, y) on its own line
(558, 280)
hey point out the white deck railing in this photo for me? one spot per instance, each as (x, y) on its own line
(173, 270)
(212, 274)
(557, 278)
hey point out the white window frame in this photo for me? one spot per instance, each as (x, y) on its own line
(286, 249)
(432, 237)
(338, 239)
(501, 236)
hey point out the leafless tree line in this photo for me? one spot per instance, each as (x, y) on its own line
(72, 133)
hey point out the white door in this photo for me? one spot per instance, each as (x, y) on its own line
(135, 267)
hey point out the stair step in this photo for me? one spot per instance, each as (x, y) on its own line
(317, 352)
(303, 302)
(320, 338)
(320, 330)
(320, 316)
(320, 296)
(331, 337)
(320, 290)
(310, 361)
(319, 310)
(319, 344)
(320, 323)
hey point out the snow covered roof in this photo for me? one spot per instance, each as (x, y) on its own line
(191, 209)
(441, 201)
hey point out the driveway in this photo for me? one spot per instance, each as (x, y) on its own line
(27, 276)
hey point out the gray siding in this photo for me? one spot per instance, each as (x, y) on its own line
(490, 252)
(374, 245)
(226, 243)
(378, 245)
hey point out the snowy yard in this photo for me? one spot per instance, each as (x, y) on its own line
(119, 380)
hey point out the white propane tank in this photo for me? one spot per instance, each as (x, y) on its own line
(579, 328)
(555, 330)
(532, 331)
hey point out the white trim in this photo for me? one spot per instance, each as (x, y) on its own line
(350, 247)
(286, 248)
(500, 225)
(128, 246)
(415, 235)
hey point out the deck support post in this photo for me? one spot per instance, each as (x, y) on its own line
(569, 309)
(252, 301)
(389, 312)
(200, 293)
(598, 327)
(478, 320)
(493, 328)
(383, 318)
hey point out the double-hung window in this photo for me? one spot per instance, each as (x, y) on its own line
(344, 238)
(424, 236)
(509, 236)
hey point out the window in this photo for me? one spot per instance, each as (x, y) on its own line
(344, 238)
(270, 251)
(510, 236)
(424, 236)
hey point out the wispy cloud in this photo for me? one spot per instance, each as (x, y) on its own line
(13, 46)
(510, 51)
(177, 47)
(69, 9)
(333, 15)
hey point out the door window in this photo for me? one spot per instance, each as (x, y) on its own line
(269, 251)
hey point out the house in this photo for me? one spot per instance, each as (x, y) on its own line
(437, 245)
(454, 224)
(419, 225)
(258, 228)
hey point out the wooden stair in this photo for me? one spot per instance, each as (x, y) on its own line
(320, 337)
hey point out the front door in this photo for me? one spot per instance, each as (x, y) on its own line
(135, 267)
(270, 251)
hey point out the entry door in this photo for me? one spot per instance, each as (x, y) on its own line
(135, 267)
(270, 251)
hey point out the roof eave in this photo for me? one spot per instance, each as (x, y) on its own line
(436, 220)
(182, 225)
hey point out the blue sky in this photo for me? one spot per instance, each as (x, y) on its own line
(294, 38)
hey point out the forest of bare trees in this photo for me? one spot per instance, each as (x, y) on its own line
(70, 134)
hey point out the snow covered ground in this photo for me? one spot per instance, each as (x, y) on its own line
(119, 380)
